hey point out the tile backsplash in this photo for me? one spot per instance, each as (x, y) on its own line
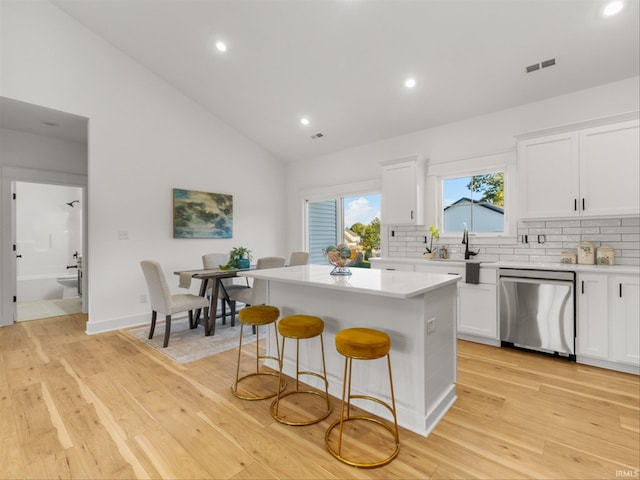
(621, 234)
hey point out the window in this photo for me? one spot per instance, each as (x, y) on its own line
(476, 202)
(352, 220)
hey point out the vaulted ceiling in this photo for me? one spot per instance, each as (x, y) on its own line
(343, 63)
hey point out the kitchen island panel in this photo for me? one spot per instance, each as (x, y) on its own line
(423, 364)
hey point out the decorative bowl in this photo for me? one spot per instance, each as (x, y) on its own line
(341, 257)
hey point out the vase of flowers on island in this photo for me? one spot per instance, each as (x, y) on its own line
(429, 253)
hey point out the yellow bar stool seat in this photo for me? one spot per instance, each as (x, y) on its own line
(301, 327)
(257, 315)
(361, 344)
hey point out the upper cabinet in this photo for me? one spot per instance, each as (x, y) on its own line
(585, 172)
(403, 183)
(609, 169)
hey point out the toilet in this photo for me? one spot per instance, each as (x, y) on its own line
(69, 285)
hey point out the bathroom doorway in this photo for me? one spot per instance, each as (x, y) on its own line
(49, 247)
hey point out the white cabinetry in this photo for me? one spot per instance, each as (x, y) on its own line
(608, 332)
(403, 182)
(548, 176)
(624, 295)
(592, 329)
(609, 169)
(477, 310)
(585, 172)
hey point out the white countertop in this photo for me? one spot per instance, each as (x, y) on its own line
(363, 280)
(628, 269)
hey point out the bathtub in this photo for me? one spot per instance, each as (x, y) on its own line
(41, 287)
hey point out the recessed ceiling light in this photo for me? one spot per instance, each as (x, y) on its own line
(612, 8)
(305, 121)
(221, 46)
(410, 82)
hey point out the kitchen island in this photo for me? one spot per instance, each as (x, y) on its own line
(417, 310)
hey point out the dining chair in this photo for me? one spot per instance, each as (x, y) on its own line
(166, 304)
(299, 258)
(215, 260)
(257, 293)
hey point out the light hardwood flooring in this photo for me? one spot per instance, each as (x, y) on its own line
(107, 406)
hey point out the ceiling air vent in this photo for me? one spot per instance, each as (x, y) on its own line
(548, 63)
(316, 136)
(537, 66)
(533, 68)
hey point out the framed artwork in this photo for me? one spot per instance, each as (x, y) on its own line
(202, 214)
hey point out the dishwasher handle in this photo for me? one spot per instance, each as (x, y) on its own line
(536, 281)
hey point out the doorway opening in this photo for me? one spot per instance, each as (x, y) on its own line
(49, 248)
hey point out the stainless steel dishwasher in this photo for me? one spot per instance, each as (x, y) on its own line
(537, 310)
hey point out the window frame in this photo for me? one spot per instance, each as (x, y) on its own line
(493, 163)
(335, 192)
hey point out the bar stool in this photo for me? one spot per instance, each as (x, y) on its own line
(362, 344)
(255, 316)
(300, 327)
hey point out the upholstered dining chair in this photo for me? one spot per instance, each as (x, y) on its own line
(298, 258)
(257, 294)
(215, 260)
(166, 304)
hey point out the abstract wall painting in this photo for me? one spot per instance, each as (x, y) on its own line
(202, 214)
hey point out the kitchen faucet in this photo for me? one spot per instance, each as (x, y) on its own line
(465, 239)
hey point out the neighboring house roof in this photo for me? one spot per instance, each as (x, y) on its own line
(464, 200)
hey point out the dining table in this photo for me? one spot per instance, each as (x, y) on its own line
(207, 275)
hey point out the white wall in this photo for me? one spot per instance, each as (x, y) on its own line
(26, 150)
(145, 138)
(473, 137)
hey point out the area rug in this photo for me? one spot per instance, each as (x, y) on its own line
(186, 345)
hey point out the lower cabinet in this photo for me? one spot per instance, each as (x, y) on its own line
(608, 320)
(592, 330)
(478, 310)
(624, 298)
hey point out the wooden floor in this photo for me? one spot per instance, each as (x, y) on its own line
(107, 406)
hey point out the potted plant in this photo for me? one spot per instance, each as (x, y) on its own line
(435, 233)
(240, 257)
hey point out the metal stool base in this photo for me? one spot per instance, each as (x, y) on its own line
(346, 406)
(274, 408)
(234, 386)
(282, 383)
(353, 463)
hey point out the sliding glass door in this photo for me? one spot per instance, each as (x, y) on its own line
(353, 220)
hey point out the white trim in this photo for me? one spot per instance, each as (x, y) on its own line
(504, 161)
(128, 322)
(608, 364)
